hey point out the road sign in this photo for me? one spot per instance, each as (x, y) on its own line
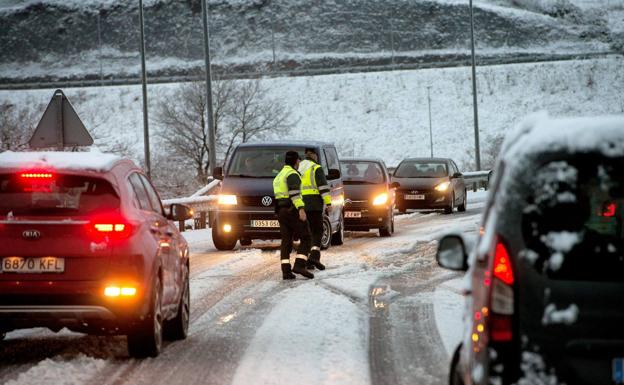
(60, 126)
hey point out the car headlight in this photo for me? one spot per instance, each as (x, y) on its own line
(380, 199)
(443, 186)
(227, 200)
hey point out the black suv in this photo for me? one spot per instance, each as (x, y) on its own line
(246, 209)
(547, 276)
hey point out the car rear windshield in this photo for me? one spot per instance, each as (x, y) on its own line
(52, 194)
(421, 169)
(354, 172)
(259, 162)
(572, 222)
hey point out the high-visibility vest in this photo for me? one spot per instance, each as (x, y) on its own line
(280, 187)
(308, 181)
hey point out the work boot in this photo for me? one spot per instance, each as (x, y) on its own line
(286, 271)
(315, 260)
(300, 267)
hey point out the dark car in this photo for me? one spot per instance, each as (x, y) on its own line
(85, 244)
(429, 183)
(546, 299)
(246, 209)
(369, 196)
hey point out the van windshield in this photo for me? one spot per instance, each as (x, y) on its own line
(264, 162)
(55, 195)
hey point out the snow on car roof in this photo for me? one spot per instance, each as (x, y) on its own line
(541, 133)
(93, 160)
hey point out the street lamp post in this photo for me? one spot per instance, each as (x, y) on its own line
(209, 118)
(474, 92)
(146, 146)
(430, 130)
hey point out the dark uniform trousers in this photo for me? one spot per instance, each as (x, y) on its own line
(291, 226)
(315, 219)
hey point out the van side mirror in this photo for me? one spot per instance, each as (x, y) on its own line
(457, 175)
(333, 174)
(451, 253)
(395, 185)
(178, 212)
(218, 173)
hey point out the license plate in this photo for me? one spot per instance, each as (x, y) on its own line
(418, 197)
(618, 370)
(264, 223)
(33, 265)
(353, 214)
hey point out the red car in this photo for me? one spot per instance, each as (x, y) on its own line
(85, 244)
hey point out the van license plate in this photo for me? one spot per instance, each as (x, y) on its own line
(418, 197)
(618, 370)
(33, 265)
(353, 214)
(264, 223)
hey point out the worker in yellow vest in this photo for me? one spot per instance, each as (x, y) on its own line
(316, 197)
(291, 214)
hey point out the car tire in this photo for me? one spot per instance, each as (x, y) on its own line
(455, 377)
(222, 243)
(337, 238)
(177, 328)
(326, 236)
(388, 229)
(245, 242)
(146, 338)
(462, 207)
(449, 209)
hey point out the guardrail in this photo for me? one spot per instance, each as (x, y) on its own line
(202, 205)
(477, 179)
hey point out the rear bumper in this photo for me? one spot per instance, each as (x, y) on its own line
(372, 218)
(433, 200)
(241, 220)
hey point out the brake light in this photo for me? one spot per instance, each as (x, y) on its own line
(502, 300)
(112, 226)
(36, 175)
(502, 264)
(608, 210)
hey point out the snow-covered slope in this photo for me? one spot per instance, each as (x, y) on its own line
(385, 114)
(54, 39)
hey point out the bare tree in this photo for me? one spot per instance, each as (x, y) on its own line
(242, 111)
(16, 126)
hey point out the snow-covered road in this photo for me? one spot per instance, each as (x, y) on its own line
(382, 313)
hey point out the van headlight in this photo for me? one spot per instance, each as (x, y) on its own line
(227, 200)
(380, 199)
(443, 186)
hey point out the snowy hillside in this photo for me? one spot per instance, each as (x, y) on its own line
(54, 39)
(385, 114)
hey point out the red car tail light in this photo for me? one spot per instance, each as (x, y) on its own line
(36, 180)
(112, 226)
(502, 300)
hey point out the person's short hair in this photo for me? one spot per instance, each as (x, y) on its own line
(312, 150)
(291, 158)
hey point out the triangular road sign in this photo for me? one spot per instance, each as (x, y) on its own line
(60, 126)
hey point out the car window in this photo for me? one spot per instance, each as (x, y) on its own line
(259, 162)
(152, 195)
(332, 159)
(421, 169)
(55, 195)
(357, 172)
(588, 244)
(139, 192)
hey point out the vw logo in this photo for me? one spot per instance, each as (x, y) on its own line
(31, 234)
(414, 191)
(267, 201)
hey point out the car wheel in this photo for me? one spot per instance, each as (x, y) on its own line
(222, 243)
(392, 213)
(245, 242)
(146, 338)
(387, 230)
(327, 233)
(177, 328)
(449, 209)
(337, 239)
(462, 207)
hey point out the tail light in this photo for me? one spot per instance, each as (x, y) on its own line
(111, 226)
(502, 306)
(37, 180)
